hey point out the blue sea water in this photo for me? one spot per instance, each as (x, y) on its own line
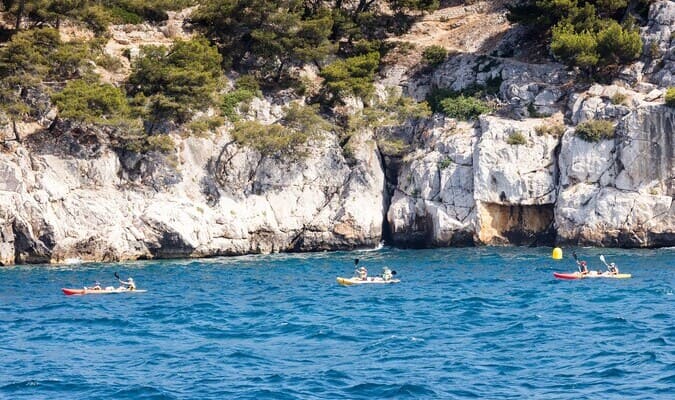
(486, 323)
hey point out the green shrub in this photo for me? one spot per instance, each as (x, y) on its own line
(670, 97)
(434, 55)
(22, 58)
(420, 5)
(392, 147)
(247, 82)
(270, 140)
(287, 139)
(436, 96)
(97, 18)
(177, 81)
(585, 33)
(206, 124)
(232, 100)
(516, 138)
(555, 130)
(618, 45)
(92, 102)
(405, 48)
(580, 49)
(120, 15)
(109, 62)
(161, 143)
(595, 130)
(618, 98)
(464, 108)
(39, 54)
(70, 61)
(445, 163)
(352, 76)
(305, 119)
(137, 11)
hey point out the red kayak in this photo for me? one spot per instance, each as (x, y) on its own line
(592, 274)
(70, 292)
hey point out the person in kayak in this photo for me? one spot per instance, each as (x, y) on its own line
(613, 269)
(128, 284)
(97, 286)
(583, 269)
(363, 273)
(386, 274)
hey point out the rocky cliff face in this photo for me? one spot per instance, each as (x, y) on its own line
(75, 197)
(67, 192)
(615, 192)
(620, 192)
(433, 202)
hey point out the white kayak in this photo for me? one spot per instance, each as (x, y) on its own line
(371, 279)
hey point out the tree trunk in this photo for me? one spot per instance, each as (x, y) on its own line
(280, 71)
(19, 14)
(16, 132)
(364, 5)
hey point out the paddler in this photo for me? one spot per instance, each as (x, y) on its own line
(583, 269)
(128, 284)
(613, 269)
(386, 274)
(363, 273)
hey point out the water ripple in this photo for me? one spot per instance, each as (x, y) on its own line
(484, 323)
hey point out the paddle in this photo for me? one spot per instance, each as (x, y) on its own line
(602, 258)
(118, 278)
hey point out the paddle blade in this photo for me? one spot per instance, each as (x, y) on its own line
(393, 272)
(574, 254)
(356, 261)
(602, 258)
(117, 275)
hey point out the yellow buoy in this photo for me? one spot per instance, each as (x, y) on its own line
(557, 253)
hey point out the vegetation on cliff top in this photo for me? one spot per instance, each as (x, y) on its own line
(594, 35)
(265, 42)
(175, 82)
(595, 130)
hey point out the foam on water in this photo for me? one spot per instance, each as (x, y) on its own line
(463, 323)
